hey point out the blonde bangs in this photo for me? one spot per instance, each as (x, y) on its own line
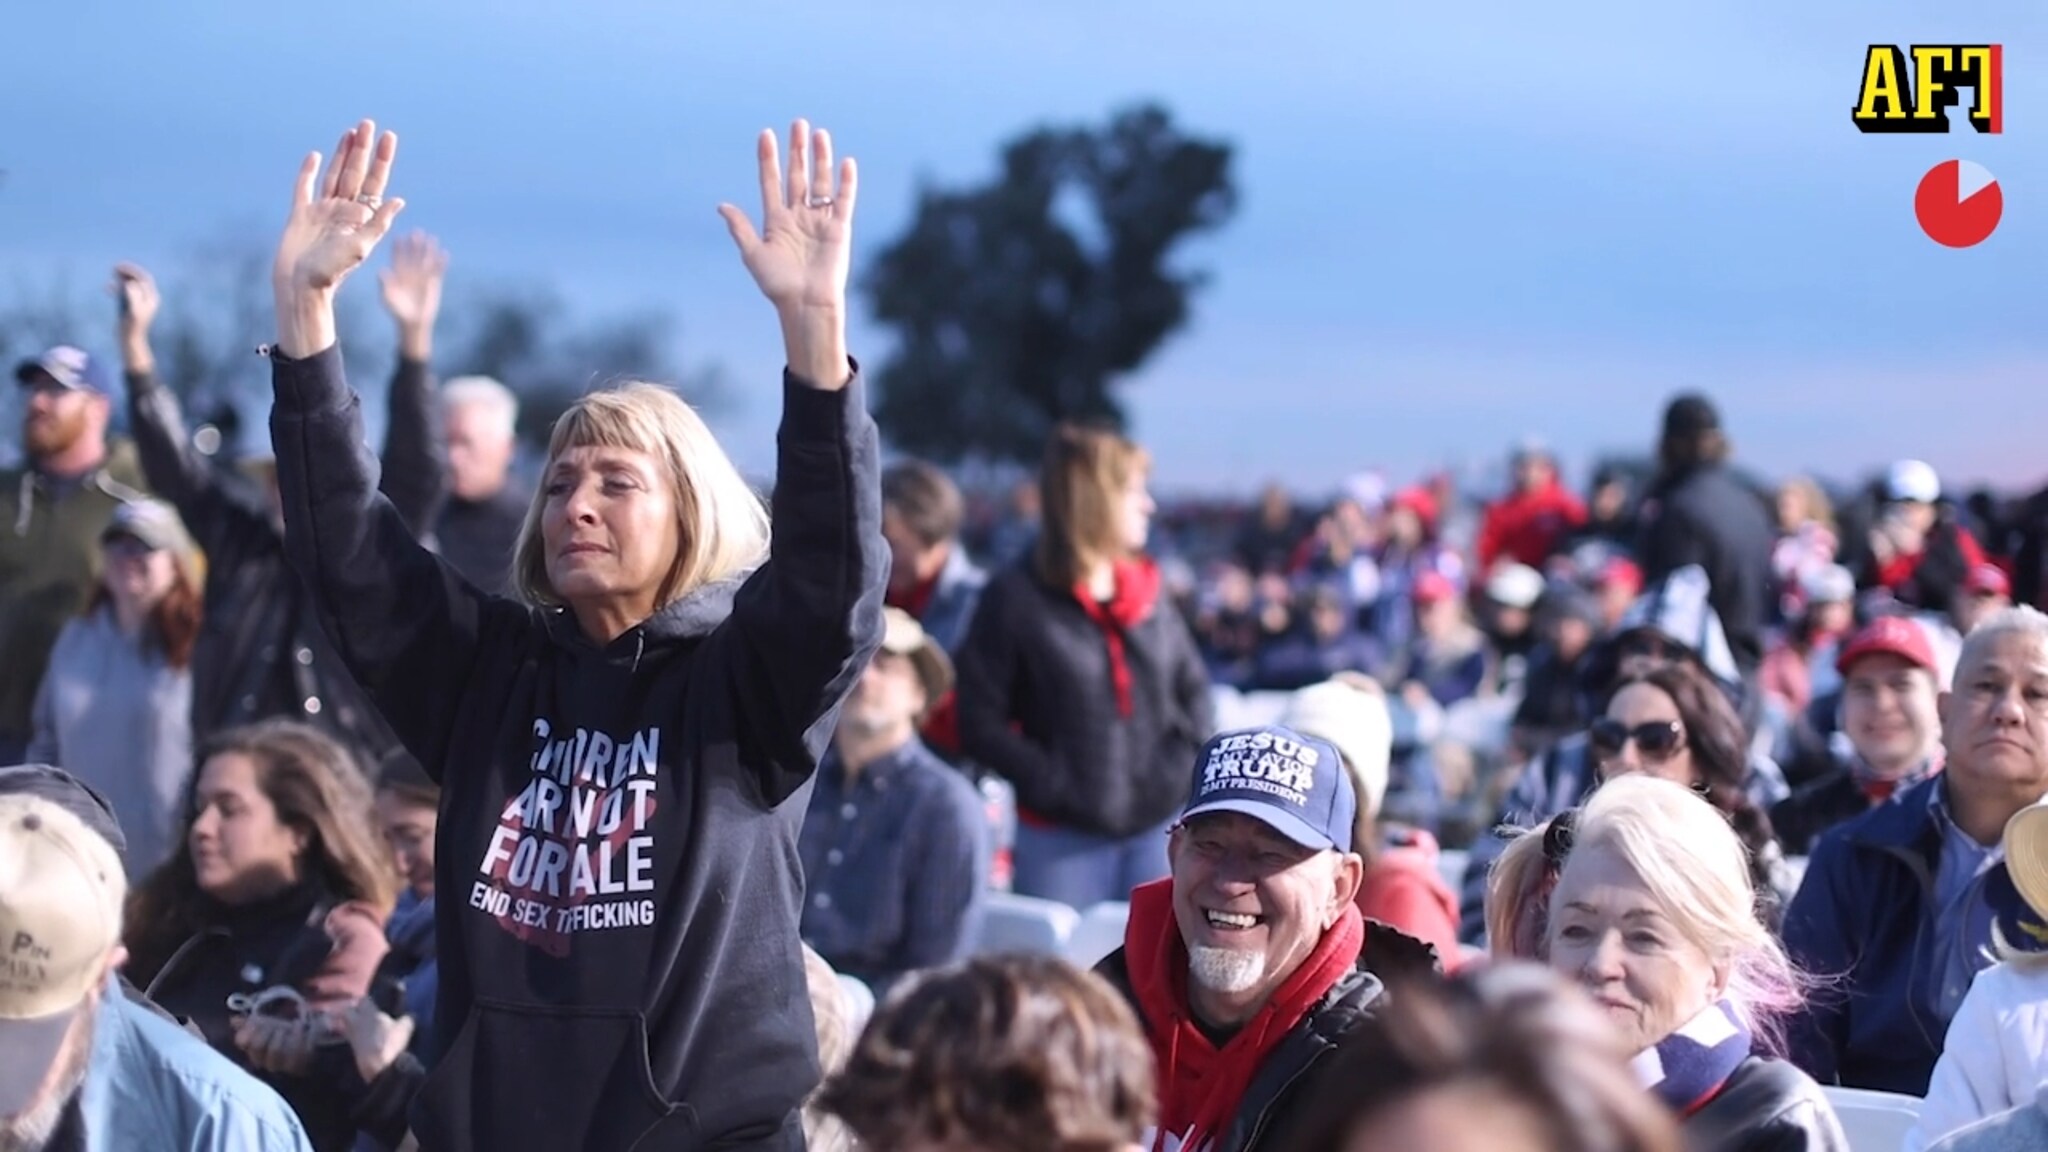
(722, 524)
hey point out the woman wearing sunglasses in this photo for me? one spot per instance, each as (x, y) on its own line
(1674, 723)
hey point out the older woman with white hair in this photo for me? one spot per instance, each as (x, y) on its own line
(1654, 912)
(625, 754)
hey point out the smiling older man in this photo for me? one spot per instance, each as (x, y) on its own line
(1249, 965)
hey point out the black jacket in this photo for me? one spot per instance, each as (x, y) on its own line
(616, 860)
(1767, 1106)
(1037, 707)
(1296, 1072)
(1709, 517)
(477, 537)
(260, 652)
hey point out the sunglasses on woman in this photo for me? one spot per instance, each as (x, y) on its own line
(1658, 740)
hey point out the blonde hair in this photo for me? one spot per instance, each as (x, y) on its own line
(1084, 471)
(722, 526)
(1819, 509)
(1696, 868)
(1518, 888)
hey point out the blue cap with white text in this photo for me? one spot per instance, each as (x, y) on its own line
(1294, 784)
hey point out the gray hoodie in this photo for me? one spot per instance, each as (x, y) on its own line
(120, 719)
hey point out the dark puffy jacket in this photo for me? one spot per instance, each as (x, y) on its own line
(1709, 517)
(261, 651)
(1038, 708)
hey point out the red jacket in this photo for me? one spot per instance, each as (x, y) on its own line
(1526, 526)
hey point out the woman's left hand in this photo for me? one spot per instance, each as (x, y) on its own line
(800, 256)
(276, 1045)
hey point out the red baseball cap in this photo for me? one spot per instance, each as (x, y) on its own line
(1987, 580)
(1432, 586)
(1622, 571)
(1895, 635)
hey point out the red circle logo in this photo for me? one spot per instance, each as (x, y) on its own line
(1958, 203)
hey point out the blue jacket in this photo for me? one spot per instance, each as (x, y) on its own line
(951, 607)
(153, 1085)
(1863, 921)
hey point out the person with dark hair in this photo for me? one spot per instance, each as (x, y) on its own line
(1081, 685)
(115, 706)
(271, 913)
(1697, 511)
(1001, 1054)
(1504, 1058)
(930, 575)
(1527, 525)
(1673, 723)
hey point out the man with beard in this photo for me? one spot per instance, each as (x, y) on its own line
(84, 1065)
(52, 512)
(1251, 964)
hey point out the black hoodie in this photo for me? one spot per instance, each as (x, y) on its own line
(617, 855)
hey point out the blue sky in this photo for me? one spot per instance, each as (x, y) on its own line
(1462, 223)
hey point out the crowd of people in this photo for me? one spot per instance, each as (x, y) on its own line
(721, 787)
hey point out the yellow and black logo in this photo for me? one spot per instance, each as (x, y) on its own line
(1898, 97)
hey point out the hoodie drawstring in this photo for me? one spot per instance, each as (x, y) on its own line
(1171, 1070)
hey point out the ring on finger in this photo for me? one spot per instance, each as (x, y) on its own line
(818, 201)
(369, 201)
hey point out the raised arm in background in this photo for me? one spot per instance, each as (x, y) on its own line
(414, 476)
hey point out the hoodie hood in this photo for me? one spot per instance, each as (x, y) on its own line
(690, 618)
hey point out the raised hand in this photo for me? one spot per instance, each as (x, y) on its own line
(140, 303)
(800, 256)
(412, 291)
(336, 222)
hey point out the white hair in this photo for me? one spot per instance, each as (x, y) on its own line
(1226, 970)
(1697, 870)
(493, 399)
(2019, 618)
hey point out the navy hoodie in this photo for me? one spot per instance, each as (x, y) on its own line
(617, 870)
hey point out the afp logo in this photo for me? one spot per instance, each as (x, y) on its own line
(1902, 96)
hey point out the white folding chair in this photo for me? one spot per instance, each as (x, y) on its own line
(1100, 932)
(1873, 1121)
(1013, 923)
(1451, 864)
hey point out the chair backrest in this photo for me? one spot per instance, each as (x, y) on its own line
(1013, 923)
(1100, 932)
(1873, 1121)
(1451, 864)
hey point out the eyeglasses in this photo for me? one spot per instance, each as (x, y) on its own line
(1657, 740)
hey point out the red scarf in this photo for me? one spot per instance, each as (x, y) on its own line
(1201, 1086)
(1135, 592)
(916, 600)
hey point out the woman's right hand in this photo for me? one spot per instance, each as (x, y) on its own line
(335, 223)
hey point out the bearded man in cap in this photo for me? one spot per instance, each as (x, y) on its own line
(52, 511)
(1250, 964)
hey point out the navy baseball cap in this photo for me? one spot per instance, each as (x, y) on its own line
(69, 793)
(1294, 784)
(70, 367)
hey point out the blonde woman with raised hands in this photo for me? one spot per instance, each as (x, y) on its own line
(625, 752)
